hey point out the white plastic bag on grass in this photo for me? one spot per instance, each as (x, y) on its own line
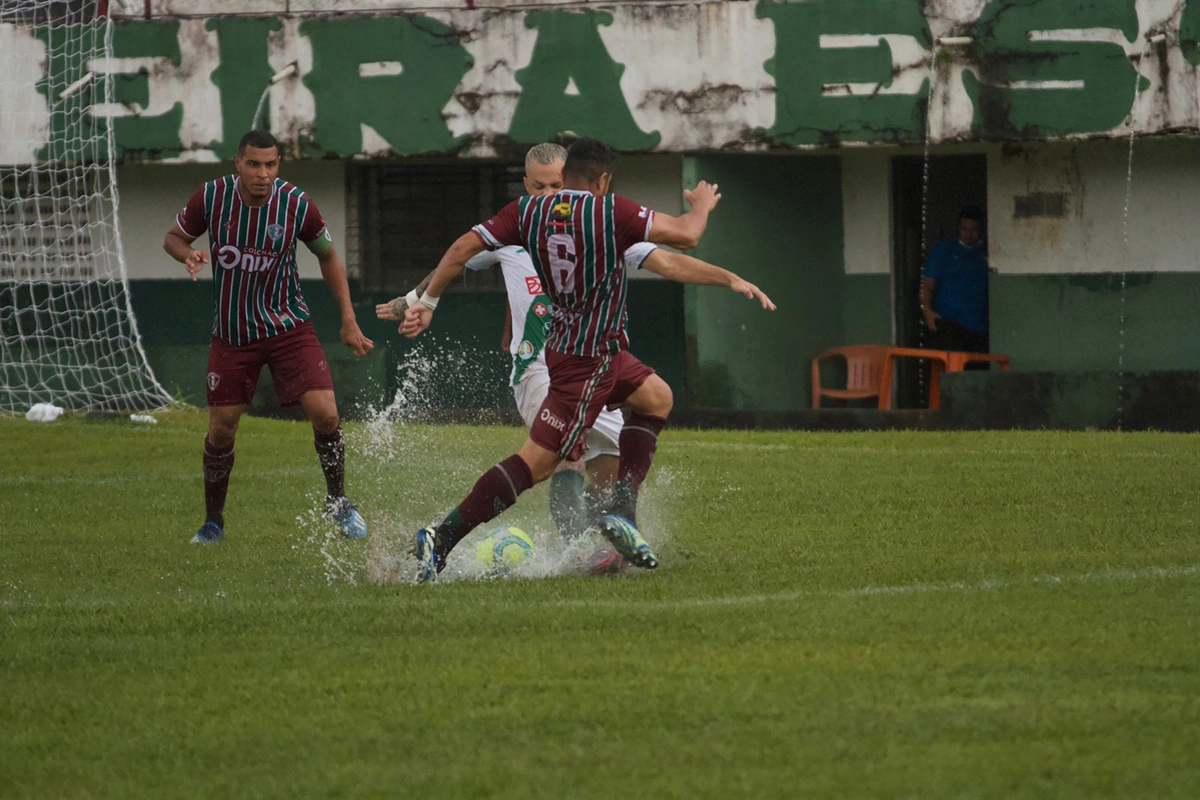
(43, 412)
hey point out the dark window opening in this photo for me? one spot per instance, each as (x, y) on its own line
(407, 215)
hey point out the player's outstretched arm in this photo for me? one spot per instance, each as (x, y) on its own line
(334, 273)
(683, 233)
(418, 316)
(393, 310)
(686, 269)
(179, 247)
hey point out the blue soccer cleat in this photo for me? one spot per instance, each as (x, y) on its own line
(624, 536)
(348, 519)
(209, 532)
(426, 554)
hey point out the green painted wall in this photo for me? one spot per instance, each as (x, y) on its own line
(867, 309)
(1073, 322)
(457, 364)
(779, 226)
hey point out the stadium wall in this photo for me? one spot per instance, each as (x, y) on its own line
(814, 231)
(483, 79)
(797, 108)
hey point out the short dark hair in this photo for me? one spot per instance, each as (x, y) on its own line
(974, 213)
(261, 140)
(589, 159)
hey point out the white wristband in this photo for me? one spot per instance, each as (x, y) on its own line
(429, 301)
(411, 298)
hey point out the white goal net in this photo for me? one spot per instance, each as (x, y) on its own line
(67, 330)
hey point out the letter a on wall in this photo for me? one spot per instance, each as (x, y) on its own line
(569, 49)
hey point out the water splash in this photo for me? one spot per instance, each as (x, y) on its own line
(922, 389)
(1137, 93)
(258, 108)
(405, 471)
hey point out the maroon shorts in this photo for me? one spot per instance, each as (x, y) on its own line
(296, 359)
(580, 388)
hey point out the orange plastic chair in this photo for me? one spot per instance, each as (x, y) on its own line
(864, 374)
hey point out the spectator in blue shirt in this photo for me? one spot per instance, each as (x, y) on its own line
(954, 289)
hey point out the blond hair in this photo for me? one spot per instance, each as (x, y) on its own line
(545, 153)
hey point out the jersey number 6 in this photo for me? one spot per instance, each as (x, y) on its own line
(562, 261)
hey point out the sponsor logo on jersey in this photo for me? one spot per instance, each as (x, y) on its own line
(248, 259)
(560, 214)
(213, 380)
(541, 309)
(533, 285)
(552, 420)
(275, 232)
(525, 349)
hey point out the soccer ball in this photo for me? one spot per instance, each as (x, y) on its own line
(504, 549)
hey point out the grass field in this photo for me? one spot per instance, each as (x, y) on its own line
(837, 615)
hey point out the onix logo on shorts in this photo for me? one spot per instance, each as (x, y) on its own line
(533, 285)
(249, 259)
(213, 380)
(551, 420)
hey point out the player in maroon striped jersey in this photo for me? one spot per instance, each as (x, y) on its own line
(577, 239)
(254, 220)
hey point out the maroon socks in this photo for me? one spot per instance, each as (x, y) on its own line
(218, 464)
(496, 490)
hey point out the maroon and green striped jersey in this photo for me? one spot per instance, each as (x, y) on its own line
(577, 242)
(253, 252)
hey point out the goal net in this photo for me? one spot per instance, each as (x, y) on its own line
(67, 330)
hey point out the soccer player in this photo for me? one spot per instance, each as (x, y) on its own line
(253, 220)
(524, 338)
(576, 239)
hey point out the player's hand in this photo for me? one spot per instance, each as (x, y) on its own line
(749, 290)
(393, 310)
(195, 262)
(931, 320)
(416, 319)
(505, 341)
(705, 196)
(355, 339)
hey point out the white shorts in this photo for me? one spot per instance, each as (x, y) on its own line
(604, 437)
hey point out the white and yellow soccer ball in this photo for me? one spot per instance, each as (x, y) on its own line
(504, 549)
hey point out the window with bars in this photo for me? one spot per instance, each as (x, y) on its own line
(402, 217)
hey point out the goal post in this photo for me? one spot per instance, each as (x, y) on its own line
(68, 335)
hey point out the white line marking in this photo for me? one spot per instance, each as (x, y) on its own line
(920, 587)
(429, 595)
(908, 451)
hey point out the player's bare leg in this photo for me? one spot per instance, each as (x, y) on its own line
(494, 492)
(320, 407)
(218, 464)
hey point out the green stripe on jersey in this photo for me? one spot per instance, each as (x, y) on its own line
(588, 215)
(226, 281)
(612, 264)
(294, 305)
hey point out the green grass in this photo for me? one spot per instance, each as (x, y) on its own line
(837, 615)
